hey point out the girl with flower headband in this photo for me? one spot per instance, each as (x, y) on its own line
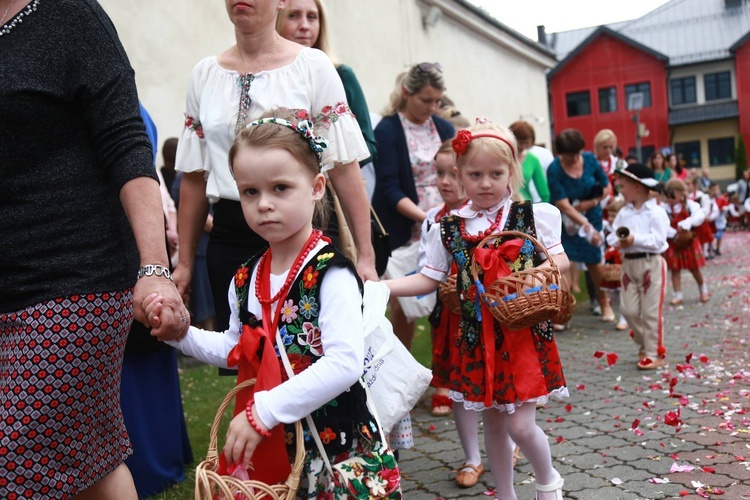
(301, 293)
(495, 370)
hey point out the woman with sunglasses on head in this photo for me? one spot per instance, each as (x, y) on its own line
(408, 138)
(260, 71)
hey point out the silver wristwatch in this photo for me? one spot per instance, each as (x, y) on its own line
(154, 270)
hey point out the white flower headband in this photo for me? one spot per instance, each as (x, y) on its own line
(304, 128)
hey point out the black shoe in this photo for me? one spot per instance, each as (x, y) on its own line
(717, 252)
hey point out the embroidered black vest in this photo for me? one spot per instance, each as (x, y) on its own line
(521, 219)
(343, 418)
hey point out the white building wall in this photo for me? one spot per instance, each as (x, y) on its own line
(488, 72)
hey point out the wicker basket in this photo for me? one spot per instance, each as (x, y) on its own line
(523, 308)
(448, 295)
(210, 485)
(568, 306)
(611, 272)
(683, 239)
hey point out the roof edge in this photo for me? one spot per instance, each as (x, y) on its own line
(739, 43)
(604, 30)
(543, 49)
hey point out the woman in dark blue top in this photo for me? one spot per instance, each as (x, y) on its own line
(577, 184)
(406, 187)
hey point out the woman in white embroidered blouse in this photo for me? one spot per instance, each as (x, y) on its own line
(261, 71)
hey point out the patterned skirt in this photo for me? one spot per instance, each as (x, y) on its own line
(443, 340)
(527, 367)
(687, 258)
(61, 428)
(367, 470)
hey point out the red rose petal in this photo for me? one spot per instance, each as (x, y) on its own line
(598, 354)
(611, 358)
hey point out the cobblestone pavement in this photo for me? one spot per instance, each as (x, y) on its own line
(609, 440)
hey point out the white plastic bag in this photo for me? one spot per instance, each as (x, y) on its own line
(392, 377)
(403, 262)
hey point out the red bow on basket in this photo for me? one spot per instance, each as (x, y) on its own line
(274, 466)
(492, 260)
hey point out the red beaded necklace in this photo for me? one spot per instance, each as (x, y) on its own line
(479, 237)
(264, 271)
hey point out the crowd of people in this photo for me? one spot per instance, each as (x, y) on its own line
(249, 247)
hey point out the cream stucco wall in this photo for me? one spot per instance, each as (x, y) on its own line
(488, 72)
(702, 132)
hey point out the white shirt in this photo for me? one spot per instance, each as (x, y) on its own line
(547, 221)
(427, 223)
(310, 82)
(342, 336)
(649, 226)
(696, 218)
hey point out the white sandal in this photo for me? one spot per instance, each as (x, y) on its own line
(556, 486)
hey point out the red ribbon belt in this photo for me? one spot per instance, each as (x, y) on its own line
(270, 459)
(493, 263)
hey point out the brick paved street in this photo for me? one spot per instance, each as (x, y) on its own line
(594, 445)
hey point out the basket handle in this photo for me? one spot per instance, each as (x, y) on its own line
(212, 453)
(502, 234)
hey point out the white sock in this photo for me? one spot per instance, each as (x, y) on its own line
(704, 289)
(467, 426)
(678, 295)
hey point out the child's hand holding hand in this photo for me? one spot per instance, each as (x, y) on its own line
(153, 305)
(242, 439)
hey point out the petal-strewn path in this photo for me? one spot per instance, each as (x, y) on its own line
(679, 432)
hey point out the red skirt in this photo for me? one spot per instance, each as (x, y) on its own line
(687, 258)
(443, 341)
(704, 232)
(527, 367)
(61, 427)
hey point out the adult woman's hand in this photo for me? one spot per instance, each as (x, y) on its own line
(174, 318)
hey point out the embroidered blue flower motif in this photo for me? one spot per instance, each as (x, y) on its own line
(461, 259)
(286, 338)
(308, 306)
(528, 247)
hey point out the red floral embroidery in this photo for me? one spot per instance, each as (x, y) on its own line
(309, 277)
(327, 435)
(331, 114)
(301, 114)
(241, 276)
(194, 125)
(299, 363)
(471, 293)
(461, 142)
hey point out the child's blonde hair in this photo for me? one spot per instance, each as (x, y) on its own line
(615, 205)
(497, 148)
(676, 186)
(275, 136)
(603, 136)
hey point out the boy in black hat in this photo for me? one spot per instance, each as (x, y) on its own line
(641, 233)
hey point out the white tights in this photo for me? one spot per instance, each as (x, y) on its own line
(467, 425)
(501, 431)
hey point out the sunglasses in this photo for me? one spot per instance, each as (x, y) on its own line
(426, 67)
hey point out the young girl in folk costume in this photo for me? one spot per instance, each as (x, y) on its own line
(684, 215)
(704, 233)
(445, 323)
(304, 294)
(442, 320)
(612, 256)
(501, 372)
(718, 215)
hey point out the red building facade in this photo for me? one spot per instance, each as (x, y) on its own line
(742, 71)
(589, 91)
